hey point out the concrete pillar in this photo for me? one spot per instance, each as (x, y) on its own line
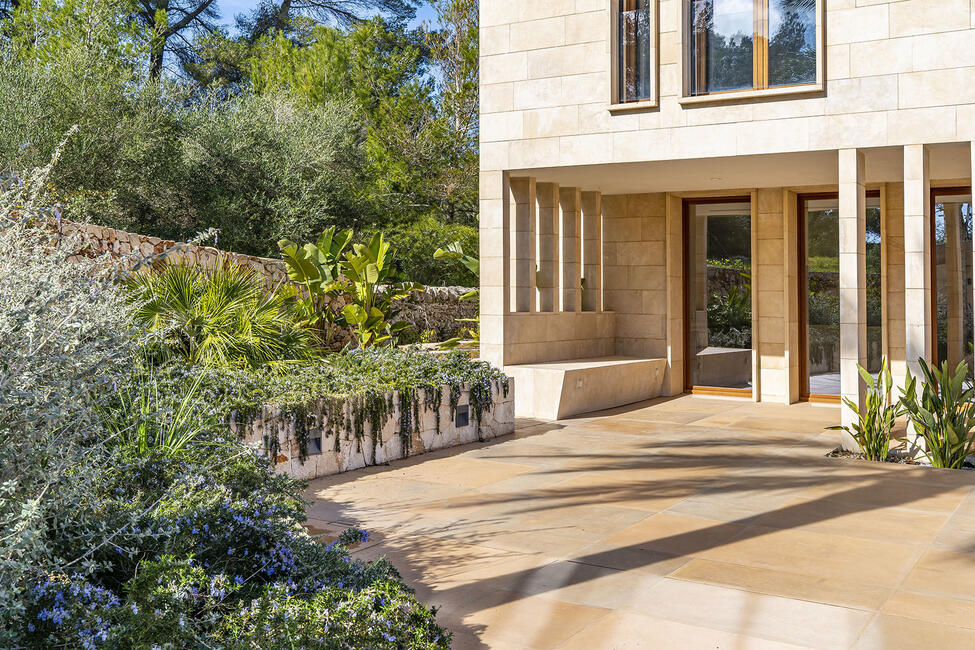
(954, 284)
(592, 251)
(917, 256)
(547, 246)
(570, 249)
(892, 239)
(522, 236)
(495, 255)
(853, 280)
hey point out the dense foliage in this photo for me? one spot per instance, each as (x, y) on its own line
(131, 517)
(362, 124)
(219, 316)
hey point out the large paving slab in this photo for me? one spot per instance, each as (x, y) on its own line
(683, 523)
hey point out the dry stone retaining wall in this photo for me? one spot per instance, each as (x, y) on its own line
(436, 309)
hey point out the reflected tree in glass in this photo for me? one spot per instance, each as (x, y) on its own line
(792, 42)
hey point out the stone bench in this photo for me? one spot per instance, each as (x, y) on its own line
(554, 390)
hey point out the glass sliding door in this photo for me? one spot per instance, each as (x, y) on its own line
(819, 292)
(718, 294)
(952, 275)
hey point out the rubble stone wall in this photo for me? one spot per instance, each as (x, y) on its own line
(437, 309)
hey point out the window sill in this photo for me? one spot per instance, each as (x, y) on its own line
(649, 104)
(741, 95)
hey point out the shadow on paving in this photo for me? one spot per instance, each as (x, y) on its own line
(672, 462)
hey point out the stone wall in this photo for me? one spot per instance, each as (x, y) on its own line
(342, 450)
(437, 309)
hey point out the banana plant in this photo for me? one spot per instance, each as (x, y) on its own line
(375, 286)
(455, 251)
(317, 268)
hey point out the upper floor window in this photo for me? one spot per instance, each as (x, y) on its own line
(752, 44)
(634, 51)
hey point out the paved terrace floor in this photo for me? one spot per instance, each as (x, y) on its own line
(689, 523)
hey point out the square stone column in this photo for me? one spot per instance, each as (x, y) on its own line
(570, 249)
(592, 251)
(495, 256)
(917, 257)
(853, 280)
(547, 246)
(522, 237)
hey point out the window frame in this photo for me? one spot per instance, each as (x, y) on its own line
(615, 103)
(759, 61)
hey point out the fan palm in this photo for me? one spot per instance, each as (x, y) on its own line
(220, 316)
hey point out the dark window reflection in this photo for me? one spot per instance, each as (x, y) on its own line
(823, 293)
(719, 286)
(721, 45)
(953, 278)
(634, 54)
(792, 42)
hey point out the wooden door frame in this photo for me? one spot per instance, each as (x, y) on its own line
(802, 268)
(686, 204)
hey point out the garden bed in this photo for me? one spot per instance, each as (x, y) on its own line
(330, 436)
(365, 407)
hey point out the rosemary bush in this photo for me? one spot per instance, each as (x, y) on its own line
(114, 538)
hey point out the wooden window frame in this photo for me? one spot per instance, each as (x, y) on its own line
(803, 290)
(686, 204)
(760, 61)
(615, 102)
(933, 261)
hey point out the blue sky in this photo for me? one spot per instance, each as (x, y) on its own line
(230, 8)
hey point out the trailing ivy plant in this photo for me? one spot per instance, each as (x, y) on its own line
(376, 285)
(876, 420)
(942, 412)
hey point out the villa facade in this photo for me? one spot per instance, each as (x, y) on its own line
(737, 197)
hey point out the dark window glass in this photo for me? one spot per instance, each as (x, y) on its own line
(719, 294)
(721, 45)
(634, 54)
(822, 293)
(953, 278)
(792, 42)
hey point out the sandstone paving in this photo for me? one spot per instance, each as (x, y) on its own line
(692, 522)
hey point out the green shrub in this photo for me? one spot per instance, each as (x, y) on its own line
(416, 244)
(221, 316)
(942, 412)
(876, 420)
(180, 546)
(730, 317)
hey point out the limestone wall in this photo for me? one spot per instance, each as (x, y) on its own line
(437, 309)
(342, 450)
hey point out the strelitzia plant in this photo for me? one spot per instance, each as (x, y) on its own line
(317, 269)
(376, 287)
(876, 420)
(943, 413)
